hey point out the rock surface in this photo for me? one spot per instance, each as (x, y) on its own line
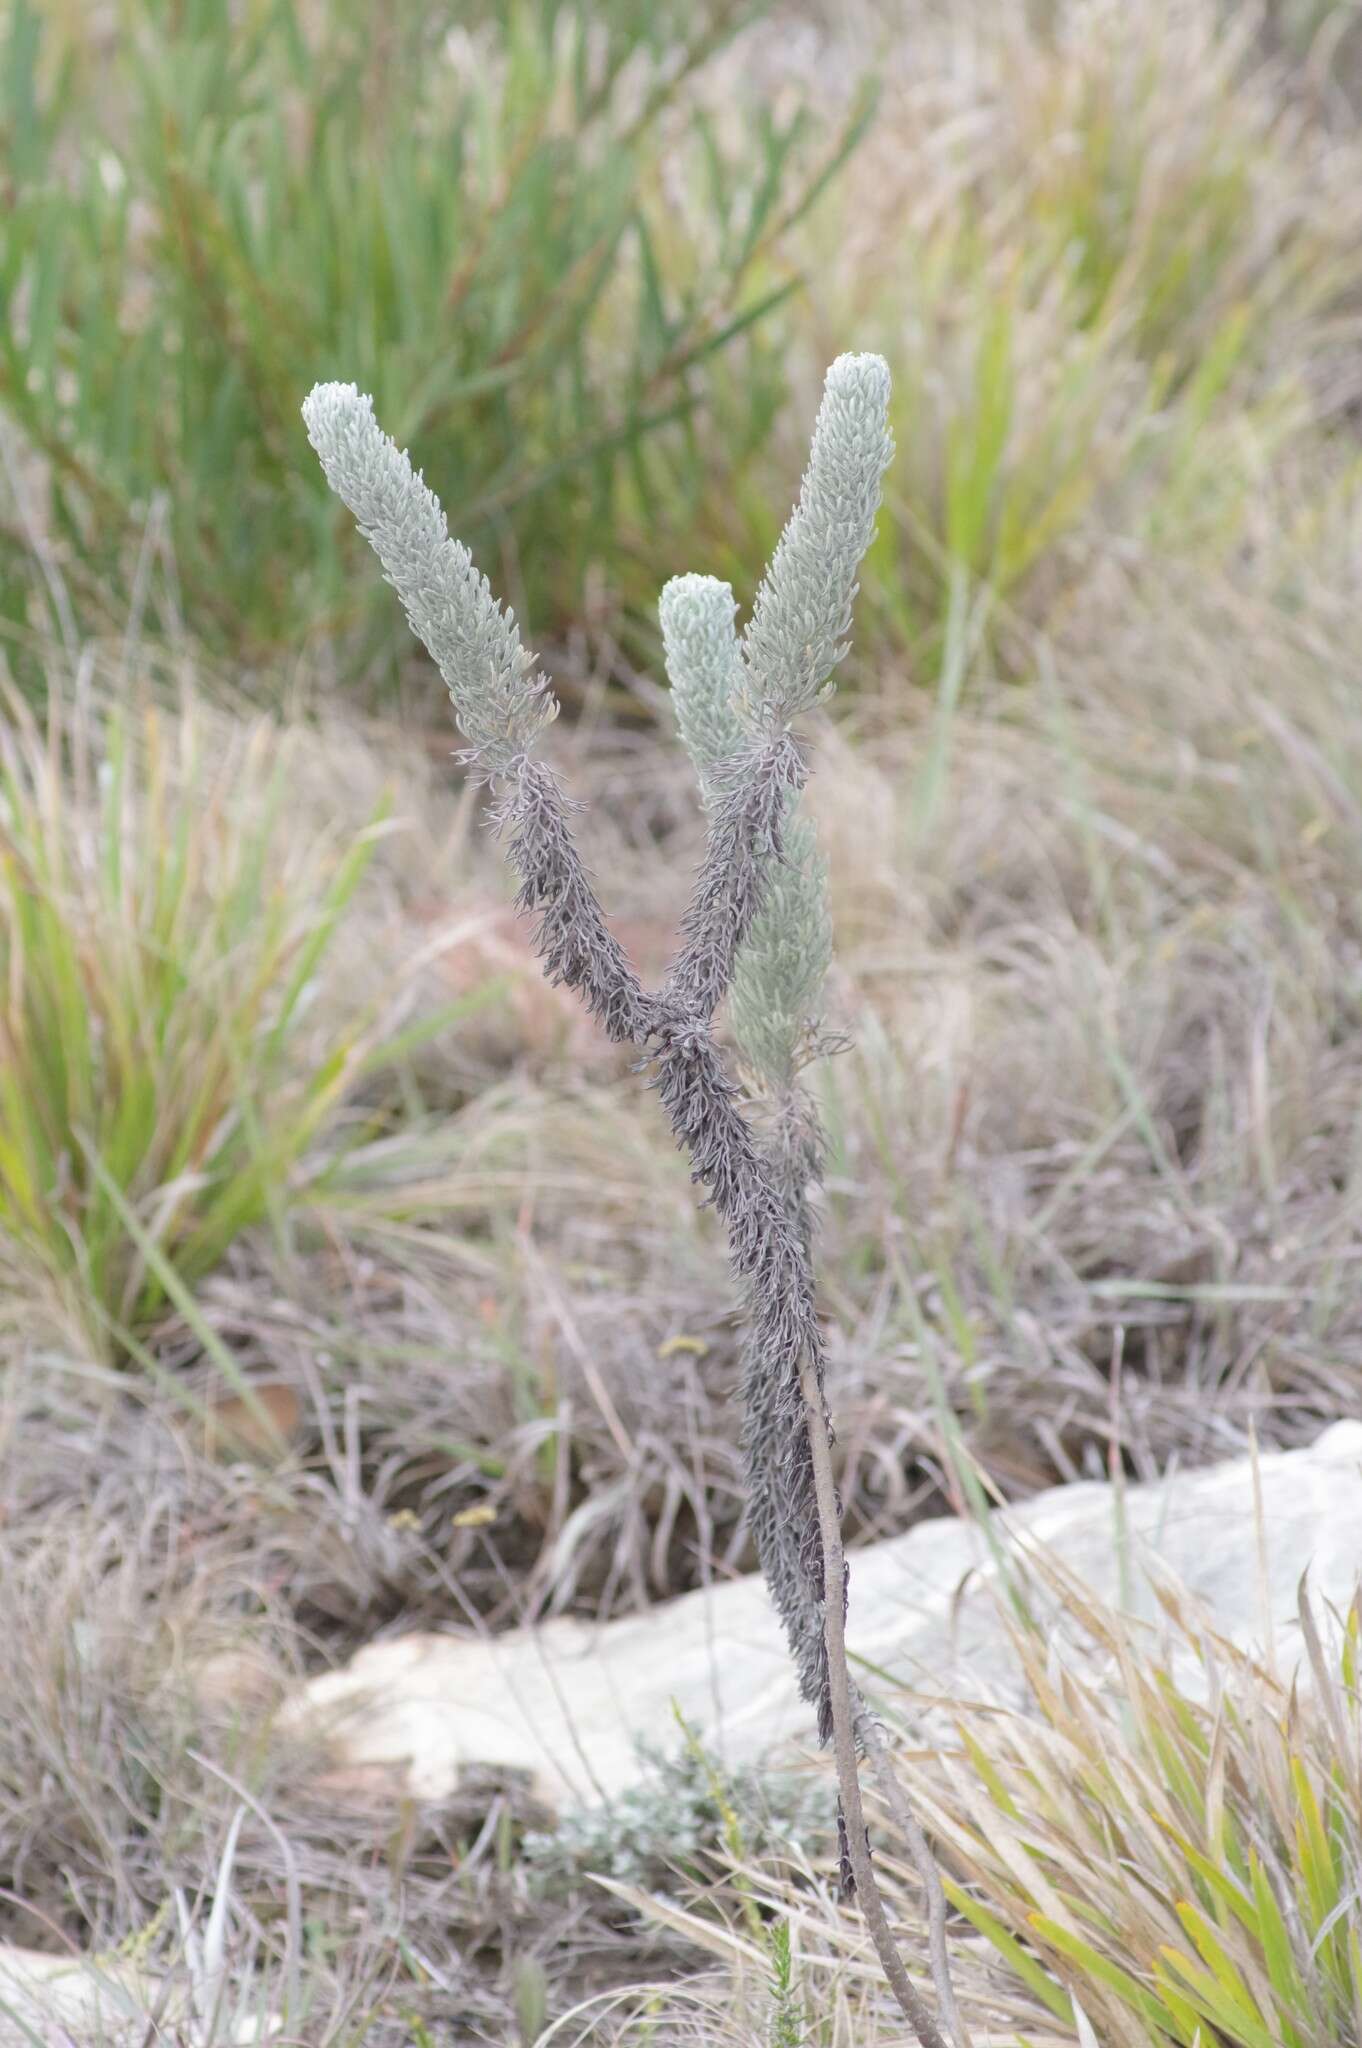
(566, 1703)
(52, 1999)
(49, 2001)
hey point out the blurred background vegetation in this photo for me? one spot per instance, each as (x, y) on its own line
(555, 268)
(292, 1133)
(577, 255)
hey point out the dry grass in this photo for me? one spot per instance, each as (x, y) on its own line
(152, 1609)
(1093, 1188)
(1099, 961)
(1136, 1858)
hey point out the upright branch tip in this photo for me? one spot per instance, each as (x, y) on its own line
(801, 621)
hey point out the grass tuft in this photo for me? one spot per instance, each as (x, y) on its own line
(162, 928)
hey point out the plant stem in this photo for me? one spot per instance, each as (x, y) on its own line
(876, 1751)
(844, 1720)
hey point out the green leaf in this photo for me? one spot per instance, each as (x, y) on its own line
(1103, 1971)
(1216, 2004)
(1026, 1967)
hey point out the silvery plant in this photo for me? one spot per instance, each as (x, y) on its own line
(756, 935)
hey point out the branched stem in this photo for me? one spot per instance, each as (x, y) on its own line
(739, 715)
(768, 1227)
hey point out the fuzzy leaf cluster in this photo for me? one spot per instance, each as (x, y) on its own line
(725, 690)
(670, 1828)
(778, 972)
(500, 704)
(801, 622)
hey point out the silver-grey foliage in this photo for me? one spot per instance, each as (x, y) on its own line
(675, 1824)
(756, 929)
(801, 621)
(498, 700)
(780, 969)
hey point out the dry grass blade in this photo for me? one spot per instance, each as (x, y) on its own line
(1176, 1855)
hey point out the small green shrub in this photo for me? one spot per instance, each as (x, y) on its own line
(475, 215)
(672, 1829)
(162, 923)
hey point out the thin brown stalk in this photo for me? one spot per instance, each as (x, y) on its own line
(844, 1720)
(876, 1752)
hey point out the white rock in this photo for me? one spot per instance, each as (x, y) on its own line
(54, 2001)
(567, 1701)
